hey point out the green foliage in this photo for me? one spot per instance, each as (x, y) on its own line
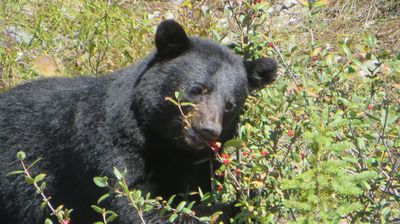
(249, 17)
(320, 145)
(62, 214)
(141, 203)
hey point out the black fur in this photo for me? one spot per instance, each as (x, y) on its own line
(83, 127)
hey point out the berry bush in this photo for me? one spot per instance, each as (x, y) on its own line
(320, 145)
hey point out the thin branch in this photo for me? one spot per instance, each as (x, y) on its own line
(292, 76)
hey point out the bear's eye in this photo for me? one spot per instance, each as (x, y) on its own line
(199, 90)
(229, 106)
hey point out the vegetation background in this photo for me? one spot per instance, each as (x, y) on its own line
(321, 145)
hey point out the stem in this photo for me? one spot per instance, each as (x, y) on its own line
(103, 214)
(140, 212)
(230, 173)
(386, 100)
(212, 175)
(47, 200)
(292, 76)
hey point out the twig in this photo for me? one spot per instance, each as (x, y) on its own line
(103, 214)
(26, 172)
(140, 212)
(230, 173)
(212, 174)
(292, 76)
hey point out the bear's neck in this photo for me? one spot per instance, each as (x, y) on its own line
(175, 171)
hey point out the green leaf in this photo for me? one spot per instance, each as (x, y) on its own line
(39, 177)
(350, 69)
(359, 64)
(21, 155)
(214, 216)
(180, 206)
(293, 48)
(339, 122)
(346, 50)
(100, 181)
(233, 143)
(147, 208)
(67, 213)
(163, 211)
(59, 208)
(42, 186)
(97, 209)
(34, 162)
(205, 197)
(112, 217)
(29, 180)
(109, 212)
(200, 193)
(178, 95)
(172, 218)
(48, 221)
(15, 172)
(190, 206)
(171, 199)
(104, 196)
(117, 173)
(43, 205)
(186, 211)
(370, 39)
(368, 136)
(124, 187)
(205, 219)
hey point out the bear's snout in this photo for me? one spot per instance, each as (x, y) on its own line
(209, 130)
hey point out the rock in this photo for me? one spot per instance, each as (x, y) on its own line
(18, 35)
(289, 3)
(153, 15)
(46, 66)
(169, 15)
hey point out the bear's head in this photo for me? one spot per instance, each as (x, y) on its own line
(209, 75)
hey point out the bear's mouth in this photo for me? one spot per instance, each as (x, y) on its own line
(195, 140)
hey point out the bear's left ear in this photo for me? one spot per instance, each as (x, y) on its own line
(260, 72)
(171, 39)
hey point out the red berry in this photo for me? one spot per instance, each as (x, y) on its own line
(270, 44)
(265, 153)
(219, 188)
(214, 145)
(314, 58)
(370, 106)
(244, 154)
(226, 161)
(290, 133)
(225, 156)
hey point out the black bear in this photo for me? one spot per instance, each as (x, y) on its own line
(82, 127)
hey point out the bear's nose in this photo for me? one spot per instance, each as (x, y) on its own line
(210, 131)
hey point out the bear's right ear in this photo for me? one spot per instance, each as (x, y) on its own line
(171, 39)
(260, 72)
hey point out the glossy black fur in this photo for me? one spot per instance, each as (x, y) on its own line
(82, 127)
